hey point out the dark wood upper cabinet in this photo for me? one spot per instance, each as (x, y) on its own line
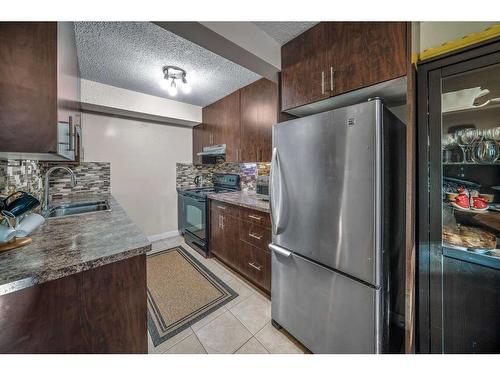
(228, 126)
(366, 53)
(336, 57)
(259, 112)
(39, 85)
(304, 62)
(28, 86)
(200, 139)
(243, 121)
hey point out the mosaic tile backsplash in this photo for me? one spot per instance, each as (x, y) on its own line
(186, 172)
(28, 175)
(91, 177)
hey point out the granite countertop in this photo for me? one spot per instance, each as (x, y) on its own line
(244, 199)
(72, 244)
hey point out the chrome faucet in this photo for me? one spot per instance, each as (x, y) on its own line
(198, 181)
(46, 198)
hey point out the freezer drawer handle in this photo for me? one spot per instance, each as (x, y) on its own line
(255, 236)
(279, 250)
(253, 265)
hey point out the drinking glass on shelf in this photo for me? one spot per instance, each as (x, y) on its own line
(459, 136)
(487, 151)
(494, 134)
(448, 143)
(466, 138)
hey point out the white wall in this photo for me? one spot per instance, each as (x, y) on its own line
(143, 157)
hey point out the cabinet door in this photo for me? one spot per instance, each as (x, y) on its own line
(365, 53)
(471, 308)
(230, 225)
(259, 111)
(68, 89)
(304, 61)
(222, 124)
(200, 139)
(228, 126)
(28, 87)
(217, 246)
(209, 124)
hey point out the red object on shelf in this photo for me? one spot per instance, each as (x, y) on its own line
(462, 200)
(479, 203)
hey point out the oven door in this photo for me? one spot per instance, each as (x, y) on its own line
(195, 219)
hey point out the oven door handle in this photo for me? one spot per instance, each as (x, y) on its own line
(189, 197)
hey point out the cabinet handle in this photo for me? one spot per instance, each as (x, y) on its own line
(258, 153)
(222, 222)
(254, 217)
(332, 79)
(221, 207)
(322, 82)
(256, 266)
(71, 139)
(237, 155)
(255, 236)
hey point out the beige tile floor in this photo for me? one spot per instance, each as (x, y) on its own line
(242, 326)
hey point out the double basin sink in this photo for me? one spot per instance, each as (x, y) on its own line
(77, 208)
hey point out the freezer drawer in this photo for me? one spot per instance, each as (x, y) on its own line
(326, 311)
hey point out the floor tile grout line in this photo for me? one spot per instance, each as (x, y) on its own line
(242, 345)
(201, 343)
(170, 347)
(213, 312)
(261, 343)
(239, 320)
(177, 343)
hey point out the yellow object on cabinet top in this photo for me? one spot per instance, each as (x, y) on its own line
(490, 32)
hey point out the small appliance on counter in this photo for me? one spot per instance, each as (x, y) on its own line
(262, 188)
(16, 221)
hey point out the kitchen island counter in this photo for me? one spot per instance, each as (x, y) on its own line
(72, 244)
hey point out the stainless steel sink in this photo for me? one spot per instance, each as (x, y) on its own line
(77, 208)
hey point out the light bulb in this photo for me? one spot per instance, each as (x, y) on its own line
(164, 84)
(186, 87)
(172, 89)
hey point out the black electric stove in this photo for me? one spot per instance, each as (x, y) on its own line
(193, 209)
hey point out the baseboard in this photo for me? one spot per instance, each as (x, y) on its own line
(163, 236)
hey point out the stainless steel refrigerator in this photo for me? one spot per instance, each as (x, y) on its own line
(337, 196)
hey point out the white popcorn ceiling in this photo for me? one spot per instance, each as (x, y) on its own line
(283, 32)
(130, 55)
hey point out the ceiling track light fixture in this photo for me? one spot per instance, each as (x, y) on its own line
(176, 76)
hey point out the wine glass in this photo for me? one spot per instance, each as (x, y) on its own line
(459, 136)
(468, 138)
(448, 142)
(488, 150)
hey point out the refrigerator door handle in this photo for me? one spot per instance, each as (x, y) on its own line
(279, 250)
(275, 192)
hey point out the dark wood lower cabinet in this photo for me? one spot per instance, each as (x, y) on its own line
(102, 310)
(240, 243)
(471, 307)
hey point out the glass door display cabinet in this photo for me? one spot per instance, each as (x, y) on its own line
(458, 293)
